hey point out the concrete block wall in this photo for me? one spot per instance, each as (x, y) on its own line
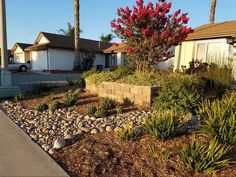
(139, 95)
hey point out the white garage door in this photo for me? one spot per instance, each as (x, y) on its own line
(39, 60)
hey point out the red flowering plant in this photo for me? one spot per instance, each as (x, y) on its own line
(150, 31)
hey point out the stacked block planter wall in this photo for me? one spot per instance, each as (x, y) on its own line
(139, 95)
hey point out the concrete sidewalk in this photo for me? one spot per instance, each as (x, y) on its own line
(19, 156)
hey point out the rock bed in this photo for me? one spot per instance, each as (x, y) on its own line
(52, 130)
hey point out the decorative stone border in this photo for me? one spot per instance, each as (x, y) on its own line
(139, 95)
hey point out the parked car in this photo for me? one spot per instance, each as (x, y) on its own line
(22, 67)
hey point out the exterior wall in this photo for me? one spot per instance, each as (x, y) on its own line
(166, 65)
(60, 59)
(19, 55)
(43, 40)
(184, 53)
(139, 95)
(39, 60)
(27, 56)
(120, 59)
(100, 60)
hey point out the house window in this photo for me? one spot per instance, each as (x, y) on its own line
(110, 60)
(201, 51)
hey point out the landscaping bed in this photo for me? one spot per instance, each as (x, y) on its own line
(106, 155)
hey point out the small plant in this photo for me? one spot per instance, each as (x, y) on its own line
(107, 103)
(70, 98)
(41, 107)
(91, 110)
(165, 154)
(101, 113)
(82, 83)
(164, 125)
(128, 132)
(204, 158)
(49, 98)
(17, 98)
(219, 119)
(71, 82)
(119, 110)
(89, 73)
(41, 88)
(154, 152)
(55, 105)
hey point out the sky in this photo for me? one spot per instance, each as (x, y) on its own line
(26, 18)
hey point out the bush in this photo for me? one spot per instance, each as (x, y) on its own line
(101, 113)
(128, 132)
(107, 103)
(218, 78)
(70, 98)
(143, 79)
(55, 105)
(41, 107)
(91, 110)
(81, 83)
(164, 125)
(89, 73)
(108, 76)
(204, 158)
(178, 92)
(41, 88)
(219, 119)
(71, 82)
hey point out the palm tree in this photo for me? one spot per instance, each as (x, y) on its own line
(70, 31)
(77, 61)
(213, 11)
(106, 38)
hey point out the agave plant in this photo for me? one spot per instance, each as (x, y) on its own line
(128, 132)
(204, 158)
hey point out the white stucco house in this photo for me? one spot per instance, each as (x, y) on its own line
(19, 53)
(56, 52)
(209, 43)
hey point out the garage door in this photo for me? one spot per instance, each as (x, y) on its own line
(39, 60)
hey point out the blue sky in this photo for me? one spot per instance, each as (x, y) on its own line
(26, 18)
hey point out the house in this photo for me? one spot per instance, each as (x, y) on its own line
(115, 56)
(10, 56)
(209, 43)
(19, 53)
(56, 52)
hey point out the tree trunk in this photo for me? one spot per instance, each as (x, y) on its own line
(77, 63)
(213, 11)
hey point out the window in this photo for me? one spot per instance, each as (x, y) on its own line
(201, 51)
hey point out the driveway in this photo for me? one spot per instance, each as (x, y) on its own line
(26, 80)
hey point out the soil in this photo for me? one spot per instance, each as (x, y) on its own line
(85, 100)
(105, 155)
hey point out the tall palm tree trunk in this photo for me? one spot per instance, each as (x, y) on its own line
(213, 11)
(77, 35)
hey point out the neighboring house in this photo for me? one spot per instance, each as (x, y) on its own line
(10, 56)
(56, 52)
(19, 53)
(209, 43)
(115, 56)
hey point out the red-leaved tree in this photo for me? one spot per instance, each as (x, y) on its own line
(150, 31)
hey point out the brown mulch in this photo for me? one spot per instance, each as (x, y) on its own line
(105, 155)
(85, 100)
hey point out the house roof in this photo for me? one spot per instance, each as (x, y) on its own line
(120, 48)
(67, 42)
(216, 30)
(23, 46)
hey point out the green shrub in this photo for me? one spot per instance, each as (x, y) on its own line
(119, 110)
(107, 103)
(89, 73)
(154, 152)
(204, 158)
(41, 107)
(108, 76)
(41, 88)
(101, 113)
(49, 98)
(218, 78)
(70, 98)
(219, 119)
(55, 105)
(71, 82)
(143, 79)
(81, 83)
(164, 153)
(164, 125)
(178, 92)
(91, 110)
(128, 132)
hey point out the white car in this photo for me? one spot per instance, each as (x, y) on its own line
(22, 67)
